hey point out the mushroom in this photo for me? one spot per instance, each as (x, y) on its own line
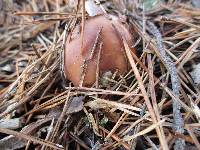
(102, 49)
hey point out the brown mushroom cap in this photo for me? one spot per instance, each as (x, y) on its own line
(112, 55)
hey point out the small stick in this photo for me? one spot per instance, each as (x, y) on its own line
(41, 13)
(84, 66)
(178, 120)
(98, 63)
(48, 20)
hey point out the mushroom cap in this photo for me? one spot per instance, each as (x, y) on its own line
(112, 56)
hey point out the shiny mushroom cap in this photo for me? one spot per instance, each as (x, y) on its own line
(102, 48)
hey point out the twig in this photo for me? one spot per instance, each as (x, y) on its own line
(178, 120)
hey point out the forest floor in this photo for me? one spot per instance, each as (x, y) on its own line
(153, 106)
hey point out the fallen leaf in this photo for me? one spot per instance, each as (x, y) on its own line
(76, 105)
(196, 3)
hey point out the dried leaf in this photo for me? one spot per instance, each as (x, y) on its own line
(75, 105)
(11, 142)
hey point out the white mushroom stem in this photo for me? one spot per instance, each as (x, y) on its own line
(93, 9)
